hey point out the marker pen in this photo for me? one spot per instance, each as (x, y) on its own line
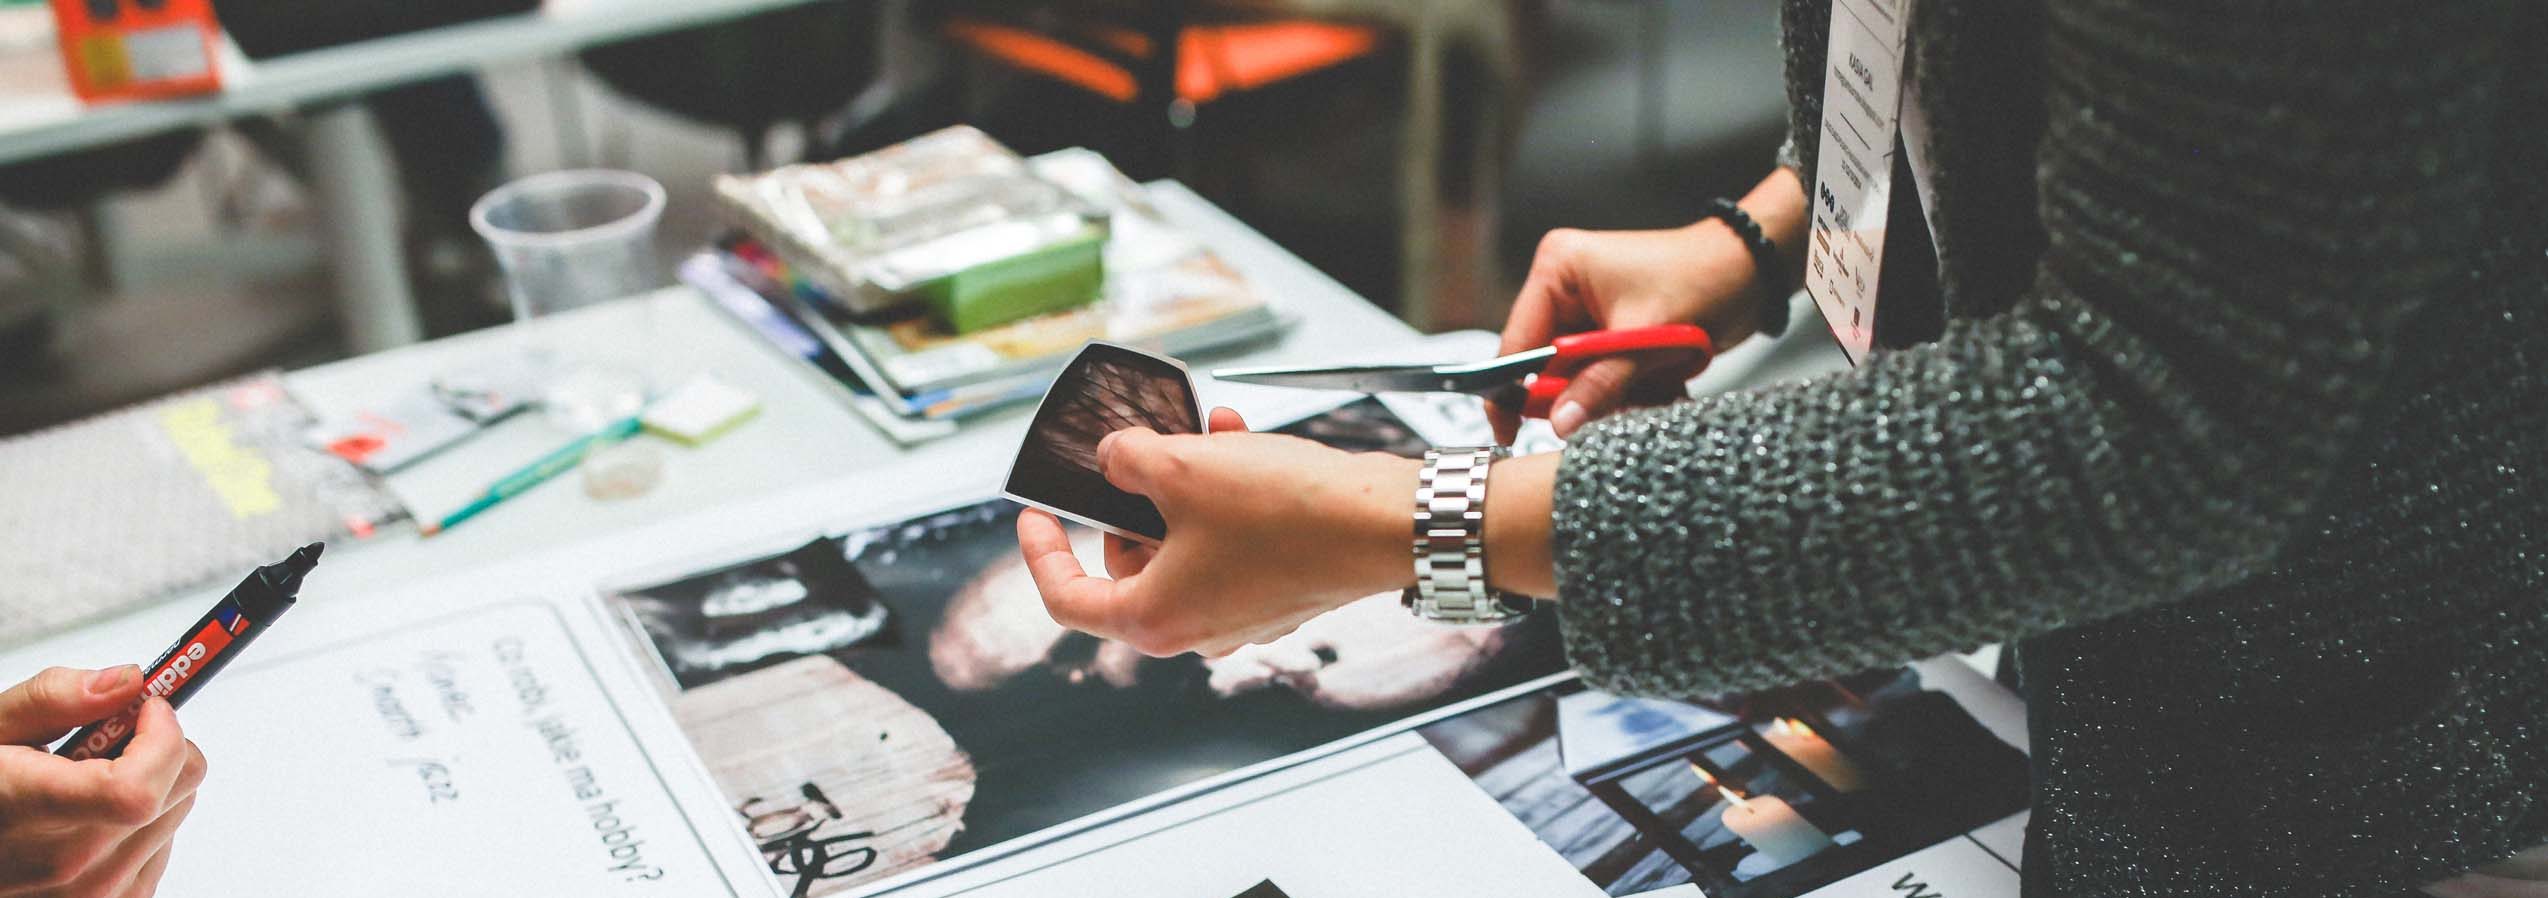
(223, 633)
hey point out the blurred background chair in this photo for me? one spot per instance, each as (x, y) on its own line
(788, 66)
(1289, 120)
(48, 272)
(448, 145)
(1160, 62)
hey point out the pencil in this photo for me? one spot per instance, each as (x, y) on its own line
(531, 475)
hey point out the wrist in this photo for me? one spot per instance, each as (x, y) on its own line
(1379, 523)
(1725, 287)
(1778, 205)
(1520, 511)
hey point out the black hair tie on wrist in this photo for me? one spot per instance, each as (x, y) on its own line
(1771, 276)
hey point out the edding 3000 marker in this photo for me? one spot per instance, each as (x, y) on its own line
(222, 634)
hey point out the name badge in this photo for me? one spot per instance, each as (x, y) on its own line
(1853, 172)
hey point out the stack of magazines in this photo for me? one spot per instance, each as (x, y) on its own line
(911, 372)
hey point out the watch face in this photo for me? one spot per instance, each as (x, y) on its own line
(1105, 389)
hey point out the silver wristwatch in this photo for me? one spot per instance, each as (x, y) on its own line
(1451, 541)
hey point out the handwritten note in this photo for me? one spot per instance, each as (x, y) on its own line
(468, 752)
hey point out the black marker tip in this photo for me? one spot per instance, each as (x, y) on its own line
(286, 574)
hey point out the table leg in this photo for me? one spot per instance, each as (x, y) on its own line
(1480, 278)
(356, 189)
(1652, 19)
(1419, 178)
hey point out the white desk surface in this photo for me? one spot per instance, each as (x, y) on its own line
(804, 436)
(806, 461)
(39, 117)
(804, 454)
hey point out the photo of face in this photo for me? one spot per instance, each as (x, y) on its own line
(1105, 389)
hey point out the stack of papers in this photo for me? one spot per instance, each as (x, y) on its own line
(913, 378)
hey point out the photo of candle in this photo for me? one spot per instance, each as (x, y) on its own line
(1768, 824)
(1924, 769)
(1811, 751)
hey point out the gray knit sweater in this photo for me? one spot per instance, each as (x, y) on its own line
(2237, 422)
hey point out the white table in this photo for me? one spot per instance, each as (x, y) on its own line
(353, 182)
(806, 458)
(805, 434)
(806, 442)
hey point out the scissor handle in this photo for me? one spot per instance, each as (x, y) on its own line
(1574, 351)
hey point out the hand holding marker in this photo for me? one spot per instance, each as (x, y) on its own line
(221, 634)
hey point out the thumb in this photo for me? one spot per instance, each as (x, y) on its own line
(1128, 458)
(61, 699)
(1225, 420)
(1593, 392)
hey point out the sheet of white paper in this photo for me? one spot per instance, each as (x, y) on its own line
(486, 734)
(1956, 868)
(1387, 819)
(1991, 704)
(429, 742)
(2005, 839)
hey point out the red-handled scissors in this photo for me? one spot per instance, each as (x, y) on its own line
(1535, 377)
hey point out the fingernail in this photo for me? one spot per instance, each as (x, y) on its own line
(1105, 445)
(113, 678)
(1569, 415)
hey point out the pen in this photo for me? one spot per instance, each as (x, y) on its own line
(219, 635)
(531, 475)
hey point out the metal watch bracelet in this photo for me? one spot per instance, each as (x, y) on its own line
(1450, 544)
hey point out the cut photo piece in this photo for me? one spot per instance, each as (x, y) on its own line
(1105, 388)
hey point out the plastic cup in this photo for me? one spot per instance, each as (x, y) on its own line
(567, 240)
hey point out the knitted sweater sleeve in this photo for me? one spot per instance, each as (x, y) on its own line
(2243, 203)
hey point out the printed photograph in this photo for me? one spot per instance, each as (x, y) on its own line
(1105, 389)
(966, 718)
(805, 602)
(1765, 796)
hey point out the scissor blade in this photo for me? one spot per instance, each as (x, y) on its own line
(1476, 378)
(1356, 378)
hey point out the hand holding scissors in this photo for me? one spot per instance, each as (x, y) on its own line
(1530, 380)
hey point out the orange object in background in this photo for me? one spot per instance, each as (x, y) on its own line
(138, 49)
(1211, 59)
